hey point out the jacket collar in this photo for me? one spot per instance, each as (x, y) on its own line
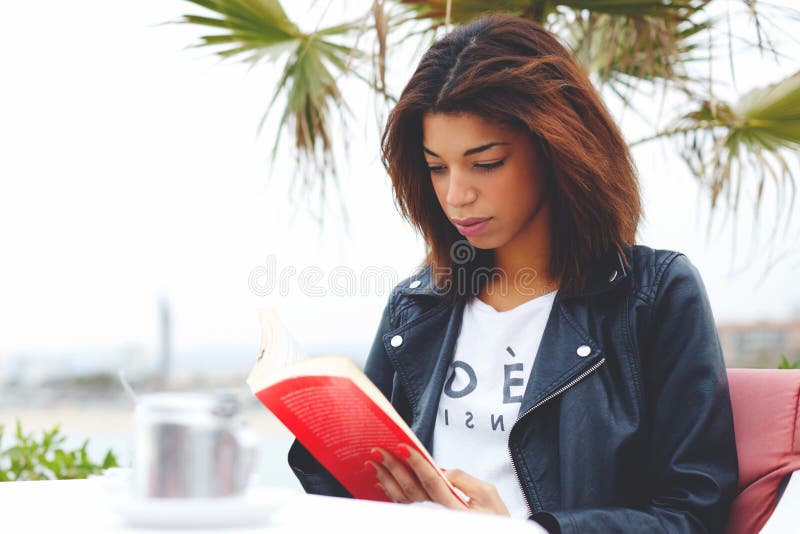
(428, 346)
(606, 273)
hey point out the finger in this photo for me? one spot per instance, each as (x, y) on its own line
(475, 488)
(430, 480)
(389, 485)
(407, 481)
(483, 496)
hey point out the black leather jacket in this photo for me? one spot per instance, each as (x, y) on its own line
(635, 436)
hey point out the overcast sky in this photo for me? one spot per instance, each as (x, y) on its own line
(130, 168)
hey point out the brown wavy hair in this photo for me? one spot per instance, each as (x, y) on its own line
(510, 70)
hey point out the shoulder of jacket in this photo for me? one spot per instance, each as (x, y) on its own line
(414, 290)
(650, 267)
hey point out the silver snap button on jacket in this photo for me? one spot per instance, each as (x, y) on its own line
(415, 284)
(613, 276)
(396, 341)
(584, 350)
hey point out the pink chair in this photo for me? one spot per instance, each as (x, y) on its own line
(766, 419)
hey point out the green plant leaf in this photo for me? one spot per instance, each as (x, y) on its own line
(110, 460)
(32, 458)
(786, 364)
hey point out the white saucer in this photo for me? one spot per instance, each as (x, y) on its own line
(192, 513)
(251, 508)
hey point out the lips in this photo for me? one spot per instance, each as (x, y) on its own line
(471, 226)
(471, 221)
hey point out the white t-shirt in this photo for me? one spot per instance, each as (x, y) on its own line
(483, 392)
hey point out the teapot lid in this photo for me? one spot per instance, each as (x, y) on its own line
(222, 405)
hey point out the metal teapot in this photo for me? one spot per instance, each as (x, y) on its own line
(189, 445)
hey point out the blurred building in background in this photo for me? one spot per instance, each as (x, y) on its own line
(761, 343)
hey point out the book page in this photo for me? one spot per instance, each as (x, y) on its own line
(278, 347)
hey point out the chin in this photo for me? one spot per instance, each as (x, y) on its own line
(483, 242)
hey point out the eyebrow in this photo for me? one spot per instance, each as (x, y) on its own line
(471, 151)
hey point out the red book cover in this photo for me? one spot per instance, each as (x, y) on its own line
(339, 415)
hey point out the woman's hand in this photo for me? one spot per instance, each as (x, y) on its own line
(413, 479)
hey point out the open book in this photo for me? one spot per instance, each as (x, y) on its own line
(331, 407)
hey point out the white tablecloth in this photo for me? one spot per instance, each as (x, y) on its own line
(85, 506)
(786, 517)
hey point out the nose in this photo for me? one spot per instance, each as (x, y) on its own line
(460, 191)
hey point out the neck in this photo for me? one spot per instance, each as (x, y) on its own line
(524, 262)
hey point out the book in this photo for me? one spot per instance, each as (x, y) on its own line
(332, 408)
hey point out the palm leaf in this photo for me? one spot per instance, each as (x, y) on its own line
(619, 41)
(259, 26)
(254, 31)
(617, 49)
(463, 11)
(650, 8)
(726, 144)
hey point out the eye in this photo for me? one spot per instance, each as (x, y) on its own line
(487, 167)
(484, 167)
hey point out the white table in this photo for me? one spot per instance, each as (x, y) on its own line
(84, 506)
(786, 517)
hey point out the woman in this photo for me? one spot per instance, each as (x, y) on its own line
(559, 371)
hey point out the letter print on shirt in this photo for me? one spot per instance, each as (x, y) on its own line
(483, 391)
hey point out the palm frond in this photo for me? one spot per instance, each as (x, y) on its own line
(541, 10)
(627, 45)
(463, 11)
(648, 8)
(259, 26)
(616, 40)
(726, 145)
(254, 31)
(617, 48)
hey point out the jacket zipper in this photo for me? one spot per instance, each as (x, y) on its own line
(556, 393)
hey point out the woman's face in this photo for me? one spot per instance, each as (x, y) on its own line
(482, 170)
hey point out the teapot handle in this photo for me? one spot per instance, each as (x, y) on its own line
(247, 442)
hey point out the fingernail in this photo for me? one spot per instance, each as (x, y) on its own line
(376, 455)
(404, 452)
(370, 468)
